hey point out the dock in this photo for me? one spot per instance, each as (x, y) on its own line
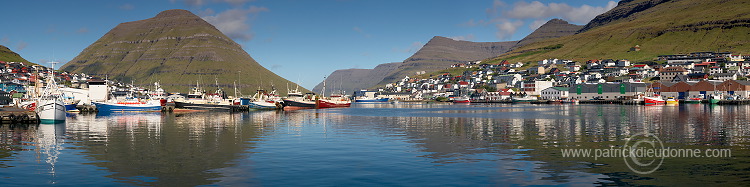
(15, 115)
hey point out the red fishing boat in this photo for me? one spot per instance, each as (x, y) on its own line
(461, 100)
(334, 101)
(655, 100)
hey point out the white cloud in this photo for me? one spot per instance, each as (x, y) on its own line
(506, 28)
(235, 22)
(507, 18)
(536, 10)
(468, 37)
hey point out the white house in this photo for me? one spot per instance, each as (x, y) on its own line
(623, 63)
(534, 87)
(554, 93)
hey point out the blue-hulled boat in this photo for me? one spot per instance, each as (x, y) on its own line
(71, 107)
(370, 100)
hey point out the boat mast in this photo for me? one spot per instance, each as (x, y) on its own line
(323, 92)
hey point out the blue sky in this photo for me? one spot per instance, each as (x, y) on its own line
(300, 40)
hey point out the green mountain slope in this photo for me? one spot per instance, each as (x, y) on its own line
(658, 26)
(178, 49)
(7, 55)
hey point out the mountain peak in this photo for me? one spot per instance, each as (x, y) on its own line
(554, 28)
(174, 13)
(557, 21)
(177, 48)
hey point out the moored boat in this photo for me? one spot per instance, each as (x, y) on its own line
(693, 100)
(672, 101)
(264, 101)
(297, 100)
(51, 109)
(334, 101)
(525, 99)
(198, 100)
(571, 101)
(461, 100)
(50, 105)
(714, 99)
(370, 100)
(656, 100)
(129, 106)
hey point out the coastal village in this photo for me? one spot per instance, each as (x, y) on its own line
(682, 76)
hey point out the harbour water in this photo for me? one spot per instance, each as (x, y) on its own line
(405, 144)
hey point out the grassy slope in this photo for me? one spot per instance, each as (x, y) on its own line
(663, 29)
(167, 60)
(8, 55)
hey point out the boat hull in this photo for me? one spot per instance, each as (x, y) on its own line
(714, 101)
(323, 103)
(71, 107)
(381, 100)
(653, 101)
(51, 111)
(462, 101)
(693, 101)
(195, 106)
(263, 105)
(113, 107)
(298, 104)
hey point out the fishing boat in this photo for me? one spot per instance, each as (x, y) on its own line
(693, 100)
(571, 101)
(653, 100)
(334, 101)
(71, 107)
(51, 109)
(672, 101)
(50, 106)
(197, 99)
(264, 101)
(525, 99)
(131, 105)
(714, 99)
(461, 100)
(297, 100)
(370, 100)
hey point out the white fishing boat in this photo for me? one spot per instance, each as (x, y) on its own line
(50, 105)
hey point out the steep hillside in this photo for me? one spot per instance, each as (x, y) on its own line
(176, 48)
(554, 28)
(657, 26)
(440, 52)
(8, 55)
(350, 80)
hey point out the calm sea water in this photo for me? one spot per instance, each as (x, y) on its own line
(377, 145)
